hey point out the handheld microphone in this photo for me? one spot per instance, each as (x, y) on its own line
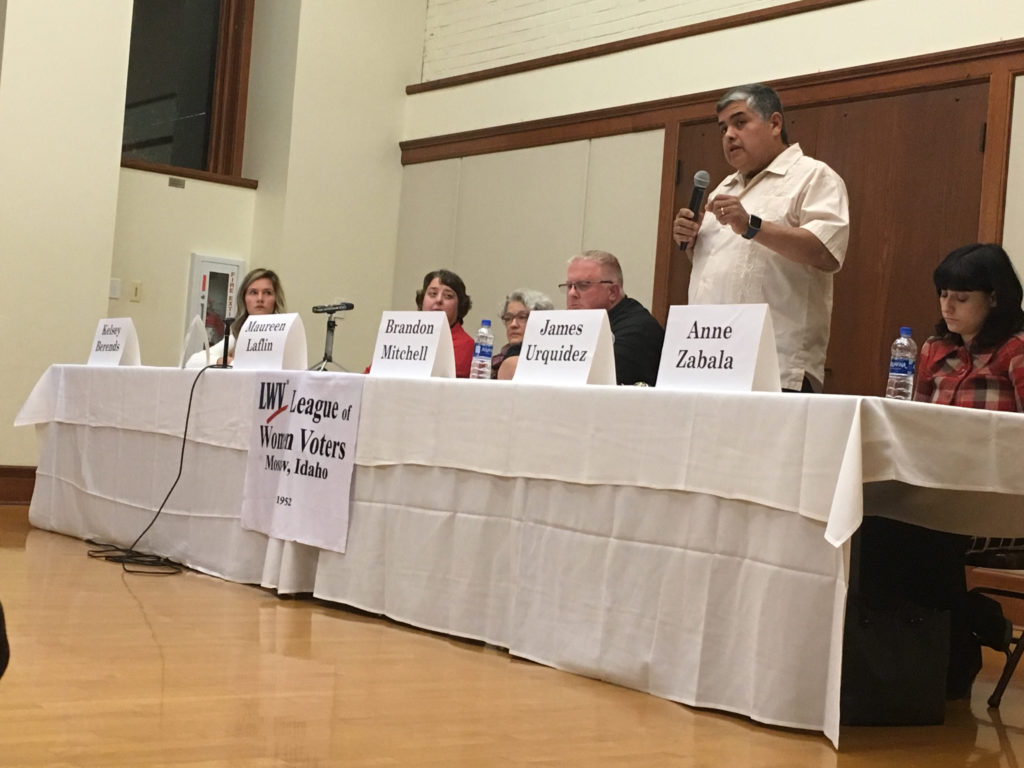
(701, 179)
(332, 308)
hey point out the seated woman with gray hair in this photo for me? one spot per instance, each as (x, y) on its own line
(514, 314)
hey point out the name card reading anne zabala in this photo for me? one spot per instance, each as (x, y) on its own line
(413, 345)
(567, 346)
(719, 347)
(115, 343)
(271, 343)
(302, 450)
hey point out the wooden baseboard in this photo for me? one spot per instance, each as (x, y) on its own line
(16, 484)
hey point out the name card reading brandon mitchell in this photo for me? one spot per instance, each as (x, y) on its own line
(406, 352)
(710, 359)
(109, 346)
(566, 353)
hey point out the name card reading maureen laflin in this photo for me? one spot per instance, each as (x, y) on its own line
(302, 449)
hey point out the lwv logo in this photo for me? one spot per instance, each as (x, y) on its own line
(272, 395)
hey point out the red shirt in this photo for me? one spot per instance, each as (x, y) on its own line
(992, 379)
(462, 345)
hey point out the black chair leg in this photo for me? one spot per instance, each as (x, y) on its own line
(1008, 669)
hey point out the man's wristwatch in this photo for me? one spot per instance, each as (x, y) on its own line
(753, 227)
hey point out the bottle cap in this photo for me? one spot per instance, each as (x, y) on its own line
(906, 330)
(485, 322)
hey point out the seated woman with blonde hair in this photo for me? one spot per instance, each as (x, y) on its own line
(518, 306)
(260, 293)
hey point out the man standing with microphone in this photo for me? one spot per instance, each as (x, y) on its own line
(773, 232)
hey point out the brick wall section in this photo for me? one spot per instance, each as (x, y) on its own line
(465, 36)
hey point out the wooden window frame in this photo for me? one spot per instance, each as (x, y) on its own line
(228, 105)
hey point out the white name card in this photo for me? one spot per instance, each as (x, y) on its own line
(719, 347)
(413, 345)
(567, 346)
(271, 343)
(196, 341)
(115, 343)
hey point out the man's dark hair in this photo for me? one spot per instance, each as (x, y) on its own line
(984, 267)
(760, 98)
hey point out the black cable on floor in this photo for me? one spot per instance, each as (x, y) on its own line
(141, 562)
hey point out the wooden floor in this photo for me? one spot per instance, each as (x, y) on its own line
(111, 669)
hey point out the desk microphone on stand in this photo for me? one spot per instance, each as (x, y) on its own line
(227, 337)
(329, 310)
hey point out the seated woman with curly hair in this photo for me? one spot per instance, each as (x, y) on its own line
(518, 306)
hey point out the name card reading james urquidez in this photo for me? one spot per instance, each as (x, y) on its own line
(719, 347)
(413, 345)
(271, 343)
(567, 346)
(115, 343)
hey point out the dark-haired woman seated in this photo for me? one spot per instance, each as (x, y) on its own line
(974, 360)
(444, 291)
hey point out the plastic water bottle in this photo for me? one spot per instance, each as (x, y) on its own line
(901, 366)
(482, 351)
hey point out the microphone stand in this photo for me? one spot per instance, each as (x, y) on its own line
(227, 337)
(328, 346)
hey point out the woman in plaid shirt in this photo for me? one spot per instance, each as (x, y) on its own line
(976, 360)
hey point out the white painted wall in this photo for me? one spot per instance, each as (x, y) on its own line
(325, 150)
(1013, 223)
(62, 86)
(158, 228)
(844, 36)
(468, 35)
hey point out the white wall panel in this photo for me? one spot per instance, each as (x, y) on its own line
(623, 195)
(520, 218)
(426, 233)
(470, 35)
(1013, 223)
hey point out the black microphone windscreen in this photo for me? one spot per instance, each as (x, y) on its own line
(701, 179)
(343, 306)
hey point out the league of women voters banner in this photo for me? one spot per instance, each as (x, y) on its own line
(302, 450)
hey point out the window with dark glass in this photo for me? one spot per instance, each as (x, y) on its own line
(187, 82)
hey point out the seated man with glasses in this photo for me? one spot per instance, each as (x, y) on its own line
(594, 281)
(514, 314)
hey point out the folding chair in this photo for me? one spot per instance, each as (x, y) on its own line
(995, 567)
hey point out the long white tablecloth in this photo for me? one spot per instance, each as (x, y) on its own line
(691, 545)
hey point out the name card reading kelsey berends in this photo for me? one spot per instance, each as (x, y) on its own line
(115, 343)
(567, 346)
(719, 347)
(413, 345)
(271, 343)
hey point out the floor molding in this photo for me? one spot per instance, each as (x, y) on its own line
(16, 484)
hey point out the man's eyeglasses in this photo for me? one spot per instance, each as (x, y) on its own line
(520, 316)
(582, 286)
